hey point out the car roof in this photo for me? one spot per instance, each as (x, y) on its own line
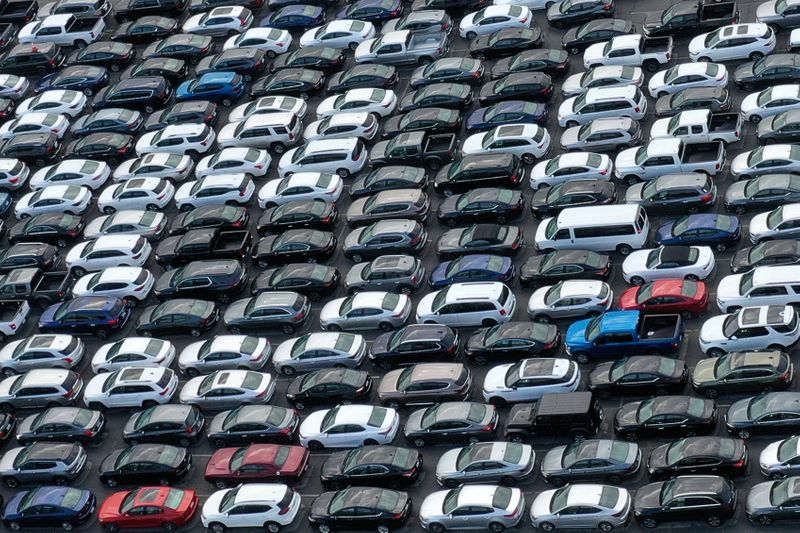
(115, 242)
(37, 376)
(393, 263)
(139, 374)
(766, 315)
(691, 485)
(475, 290)
(575, 287)
(478, 495)
(260, 492)
(436, 371)
(120, 274)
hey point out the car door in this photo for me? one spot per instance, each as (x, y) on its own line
(343, 435)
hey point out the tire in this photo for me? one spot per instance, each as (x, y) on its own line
(488, 322)
(691, 277)
(324, 528)
(764, 520)
(740, 210)
(450, 484)
(776, 347)
(419, 442)
(496, 527)
(704, 59)
(356, 258)
(352, 46)
(630, 437)
(572, 124)
(662, 93)
(343, 173)
(497, 402)
(544, 319)
(235, 330)
(582, 358)
(714, 521)
(755, 56)
(16, 526)
(651, 66)
(149, 109)
(226, 102)
(169, 526)
(720, 247)
(278, 148)
(315, 445)
(755, 119)
(775, 476)
(60, 481)
(693, 210)
(624, 249)
(385, 326)
(637, 280)
(220, 484)
(471, 35)
(272, 527)
(184, 442)
(101, 333)
(195, 332)
(557, 481)
(605, 526)
(11, 482)
(575, 50)
(425, 60)
(288, 370)
(508, 481)
(744, 434)
(67, 526)
(433, 164)
(88, 92)
(558, 25)
(216, 527)
(333, 327)
(114, 67)
(97, 406)
(437, 527)
(9, 372)
(370, 442)
(148, 404)
(650, 523)
(615, 479)
(547, 526)
(271, 54)
(218, 443)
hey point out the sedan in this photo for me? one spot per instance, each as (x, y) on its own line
(82, 172)
(529, 379)
(569, 167)
(256, 462)
(360, 508)
(371, 10)
(147, 224)
(571, 12)
(474, 267)
(448, 95)
(132, 351)
(494, 18)
(254, 505)
(329, 386)
(548, 60)
(667, 262)
(300, 186)
(564, 264)
(53, 228)
(687, 75)
(179, 316)
(224, 389)
(224, 352)
(765, 192)
(483, 204)
(766, 160)
(339, 34)
(248, 424)
(326, 59)
(70, 424)
(306, 278)
(575, 40)
(772, 101)
(512, 340)
(145, 463)
(719, 231)
(145, 29)
(381, 466)
(425, 383)
(295, 17)
(450, 422)
(134, 509)
(49, 507)
(689, 298)
(294, 245)
(698, 455)
(685, 498)
(116, 55)
(348, 426)
(290, 81)
(507, 112)
(362, 77)
(110, 120)
(111, 147)
(549, 201)
(158, 165)
(665, 415)
(220, 21)
(319, 350)
(271, 40)
(769, 252)
(639, 374)
(592, 459)
(485, 462)
(767, 72)
(781, 458)
(379, 101)
(456, 70)
(487, 507)
(492, 238)
(224, 217)
(738, 372)
(505, 42)
(582, 506)
(781, 128)
(773, 500)
(70, 199)
(366, 310)
(518, 86)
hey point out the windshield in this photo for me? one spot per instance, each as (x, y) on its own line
(553, 294)
(775, 218)
(788, 449)
(731, 325)
(757, 407)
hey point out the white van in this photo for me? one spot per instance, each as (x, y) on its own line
(764, 285)
(275, 131)
(621, 228)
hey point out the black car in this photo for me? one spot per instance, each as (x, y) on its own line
(186, 46)
(298, 214)
(168, 424)
(548, 201)
(520, 86)
(576, 40)
(146, 93)
(362, 77)
(485, 169)
(375, 466)
(329, 386)
(481, 205)
(505, 42)
(39, 58)
(224, 217)
(416, 343)
(781, 128)
(777, 252)
(512, 341)
(769, 412)
(686, 498)
(738, 372)
(85, 78)
(146, 29)
(772, 70)
(388, 178)
(688, 17)
(360, 508)
(430, 119)
(722, 456)
(145, 464)
(689, 192)
(70, 424)
(451, 422)
(639, 374)
(448, 69)
(191, 112)
(29, 254)
(489, 238)
(35, 148)
(126, 10)
(321, 58)
(548, 60)
(110, 147)
(571, 12)
(449, 95)
(665, 416)
(175, 70)
(248, 62)
(564, 264)
(291, 81)
(249, 424)
(294, 245)
(315, 281)
(714, 99)
(762, 193)
(450, 5)
(54, 228)
(110, 120)
(219, 280)
(7, 424)
(179, 316)
(113, 54)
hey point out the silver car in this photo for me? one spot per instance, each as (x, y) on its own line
(781, 458)
(611, 460)
(45, 462)
(149, 224)
(366, 310)
(319, 350)
(570, 298)
(224, 352)
(603, 134)
(394, 273)
(581, 506)
(472, 507)
(226, 389)
(40, 387)
(486, 462)
(41, 351)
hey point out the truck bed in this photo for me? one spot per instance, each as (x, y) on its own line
(83, 24)
(658, 327)
(51, 281)
(231, 241)
(723, 11)
(437, 144)
(426, 41)
(653, 45)
(9, 310)
(700, 153)
(723, 122)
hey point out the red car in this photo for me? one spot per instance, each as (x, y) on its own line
(689, 298)
(164, 508)
(257, 462)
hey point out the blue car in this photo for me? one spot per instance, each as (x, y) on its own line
(719, 231)
(475, 267)
(49, 507)
(510, 112)
(99, 315)
(371, 10)
(222, 87)
(86, 78)
(5, 202)
(297, 17)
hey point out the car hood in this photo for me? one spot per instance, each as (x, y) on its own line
(664, 232)
(576, 333)
(283, 352)
(448, 462)
(321, 503)
(145, 315)
(219, 463)
(625, 159)
(330, 310)
(433, 504)
(663, 106)
(381, 343)
(737, 412)
(48, 315)
(735, 192)
(311, 424)
(758, 497)
(739, 163)
(190, 353)
(626, 415)
(236, 310)
(712, 328)
(379, 150)
(333, 465)
(165, 280)
(388, 384)
(601, 375)
(94, 388)
(217, 423)
(448, 240)
(354, 275)
(765, 10)
(570, 136)
(634, 193)
(658, 457)
(704, 370)
(190, 389)
(743, 71)
(392, 124)
(414, 422)
(740, 259)
(501, 67)
(552, 460)
(541, 504)
(648, 497)
(7, 461)
(652, 21)
(571, 85)
(758, 224)
(108, 464)
(476, 118)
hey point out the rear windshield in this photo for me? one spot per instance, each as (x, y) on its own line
(164, 379)
(377, 417)
(502, 497)
(252, 381)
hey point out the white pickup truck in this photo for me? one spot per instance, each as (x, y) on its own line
(13, 314)
(630, 50)
(64, 30)
(403, 46)
(699, 126)
(668, 156)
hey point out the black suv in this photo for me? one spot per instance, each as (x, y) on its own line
(416, 343)
(145, 93)
(216, 280)
(168, 424)
(133, 9)
(36, 148)
(479, 170)
(39, 58)
(575, 414)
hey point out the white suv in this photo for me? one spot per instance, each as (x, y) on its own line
(108, 251)
(189, 139)
(263, 130)
(13, 173)
(215, 190)
(751, 328)
(131, 387)
(468, 304)
(527, 141)
(234, 160)
(528, 379)
(764, 285)
(625, 101)
(340, 156)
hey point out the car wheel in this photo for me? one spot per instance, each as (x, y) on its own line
(604, 394)
(547, 526)
(184, 442)
(637, 280)
(288, 329)
(218, 443)
(334, 327)
(497, 402)
(480, 360)
(437, 527)
(691, 277)
(419, 442)
(262, 263)
(220, 484)
(343, 173)
(615, 479)
(97, 406)
(324, 528)
(508, 481)
(11, 482)
(67, 526)
(776, 347)
(763, 519)
(272, 527)
(631, 180)
(755, 56)
(488, 322)
(450, 484)
(755, 119)
(226, 102)
(624, 249)
(356, 258)
(582, 357)
(572, 124)
(630, 437)
(714, 521)
(370, 442)
(169, 526)
(544, 319)
(194, 332)
(60, 481)
(686, 315)
(315, 445)
(650, 523)
(149, 109)
(496, 527)
(720, 247)
(271, 54)
(235, 330)
(386, 326)
(744, 434)
(216, 527)
(148, 404)
(775, 476)
(605, 526)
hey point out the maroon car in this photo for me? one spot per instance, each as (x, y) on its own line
(257, 462)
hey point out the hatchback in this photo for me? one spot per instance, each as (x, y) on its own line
(98, 315)
(40, 387)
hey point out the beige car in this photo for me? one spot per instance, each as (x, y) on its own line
(425, 383)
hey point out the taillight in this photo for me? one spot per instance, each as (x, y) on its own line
(113, 322)
(283, 510)
(189, 430)
(706, 198)
(476, 74)
(503, 312)
(51, 149)
(242, 23)
(88, 433)
(739, 463)
(785, 376)
(717, 166)
(137, 256)
(607, 7)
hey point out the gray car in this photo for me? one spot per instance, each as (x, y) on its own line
(420, 22)
(385, 237)
(394, 204)
(773, 500)
(472, 507)
(486, 462)
(44, 462)
(779, 13)
(612, 460)
(781, 458)
(394, 273)
(40, 387)
(603, 134)
(581, 506)
(280, 309)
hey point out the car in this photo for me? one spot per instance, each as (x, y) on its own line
(400, 273)
(567, 13)
(575, 40)
(487, 169)
(13, 173)
(494, 18)
(219, 280)
(326, 59)
(527, 86)
(505, 113)
(222, 21)
(719, 231)
(687, 75)
(482, 462)
(602, 76)
(49, 507)
(271, 505)
(715, 99)
(494, 238)
(527, 141)
(388, 178)
(771, 500)
(414, 343)
(81, 172)
(189, 139)
(548, 60)
(151, 194)
(767, 72)
(603, 134)
(99, 315)
(450, 422)
(362, 76)
(113, 147)
(454, 69)
(412, 204)
(512, 340)
(258, 462)
(148, 224)
(472, 267)
(737, 372)
(371, 10)
(53, 228)
(181, 315)
(193, 111)
(297, 214)
(698, 455)
(689, 298)
(359, 124)
(42, 462)
(665, 415)
(271, 41)
(29, 254)
(39, 58)
(667, 262)
(528, 379)
(686, 192)
(776, 223)
(70, 199)
(133, 508)
(173, 69)
(562, 508)
(549, 201)
(564, 264)
(287, 310)
(106, 251)
(300, 186)
(425, 383)
(570, 298)
(420, 22)
(130, 284)
(489, 507)
(430, 119)
(167, 424)
(329, 386)
(386, 466)
(366, 310)
(246, 62)
(569, 167)
(224, 352)
(131, 387)
(145, 29)
(247, 424)
(447, 95)
(289, 82)
(381, 102)
(223, 389)
(143, 463)
(638, 374)
(766, 160)
(591, 459)
(505, 42)
(184, 46)
(224, 87)
(269, 104)
(133, 351)
(234, 160)
(685, 498)
(769, 102)
(58, 101)
(778, 128)
(295, 17)
(114, 54)
(734, 41)
(386, 236)
(348, 508)
(226, 189)
(71, 424)
(211, 216)
(769, 412)
(308, 245)
(750, 328)
(176, 167)
(346, 426)
(40, 387)
(36, 122)
(31, 148)
(13, 87)
(768, 252)
(311, 280)
(778, 459)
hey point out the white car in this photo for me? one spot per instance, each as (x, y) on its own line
(272, 40)
(220, 21)
(349, 426)
(108, 251)
(472, 303)
(382, 102)
(686, 75)
(189, 139)
(528, 379)
(366, 310)
(253, 161)
(582, 506)
(569, 167)
(668, 262)
(527, 141)
(133, 352)
(148, 224)
(301, 186)
(151, 194)
(175, 167)
(735, 41)
(214, 190)
(776, 158)
(772, 101)
(228, 389)
(775, 327)
(13, 87)
(131, 387)
(570, 298)
(224, 352)
(36, 122)
(530, 4)
(60, 102)
(494, 18)
(780, 223)
(344, 157)
(261, 131)
(361, 124)
(85, 172)
(313, 351)
(132, 284)
(764, 285)
(41, 351)
(340, 33)
(271, 506)
(269, 104)
(70, 199)
(13, 173)
(498, 508)
(603, 76)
